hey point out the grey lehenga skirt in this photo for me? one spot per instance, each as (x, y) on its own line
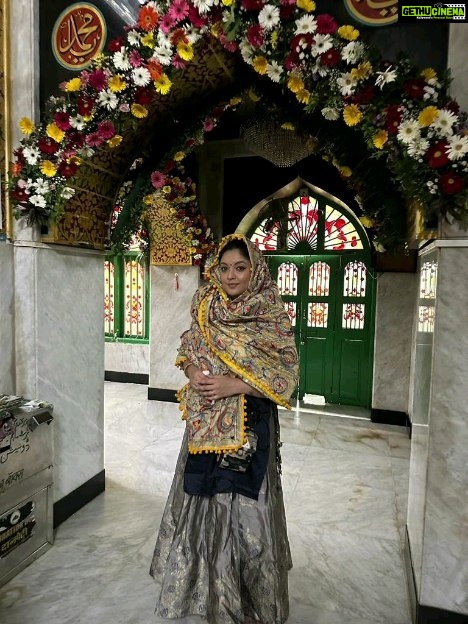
(224, 558)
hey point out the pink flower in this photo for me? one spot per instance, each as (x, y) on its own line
(98, 79)
(62, 120)
(106, 130)
(255, 36)
(135, 58)
(94, 140)
(178, 10)
(208, 125)
(326, 24)
(158, 179)
(195, 18)
(178, 62)
(124, 107)
(166, 24)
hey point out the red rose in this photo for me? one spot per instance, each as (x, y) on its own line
(451, 183)
(436, 156)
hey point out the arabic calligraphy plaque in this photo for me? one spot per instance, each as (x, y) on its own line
(78, 36)
(373, 12)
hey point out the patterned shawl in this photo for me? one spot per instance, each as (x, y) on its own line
(249, 337)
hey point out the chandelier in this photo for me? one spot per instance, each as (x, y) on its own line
(281, 146)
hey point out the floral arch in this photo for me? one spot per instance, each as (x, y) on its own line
(67, 169)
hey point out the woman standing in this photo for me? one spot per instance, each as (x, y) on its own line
(222, 551)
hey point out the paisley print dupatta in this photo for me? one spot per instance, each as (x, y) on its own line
(249, 337)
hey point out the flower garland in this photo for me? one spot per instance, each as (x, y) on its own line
(404, 114)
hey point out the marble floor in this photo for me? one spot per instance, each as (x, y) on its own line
(345, 482)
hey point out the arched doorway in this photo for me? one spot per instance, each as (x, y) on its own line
(320, 256)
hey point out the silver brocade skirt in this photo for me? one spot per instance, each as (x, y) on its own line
(224, 558)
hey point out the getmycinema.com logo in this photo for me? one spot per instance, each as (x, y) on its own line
(410, 12)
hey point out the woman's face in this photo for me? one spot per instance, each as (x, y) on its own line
(235, 272)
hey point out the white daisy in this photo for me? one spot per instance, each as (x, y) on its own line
(163, 54)
(305, 24)
(107, 99)
(134, 37)
(274, 71)
(457, 147)
(31, 154)
(352, 52)
(141, 76)
(430, 93)
(322, 43)
(163, 39)
(203, 6)
(121, 61)
(78, 122)
(409, 131)
(42, 186)
(86, 151)
(193, 35)
(330, 113)
(67, 192)
(246, 51)
(386, 77)
(38, 200)
(347, 83)
(418, 147)
(321, 70)
(269, 17)
(444, 122)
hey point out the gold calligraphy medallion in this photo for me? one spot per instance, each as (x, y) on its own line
(373, 12)
(79, 34)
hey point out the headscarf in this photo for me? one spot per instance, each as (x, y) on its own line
(250, 337)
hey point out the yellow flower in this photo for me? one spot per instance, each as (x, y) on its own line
(362, 71)
(427, 116)
(163, 84)
(26, 125)
(380, 138)
(288, 126)
(235, 101)
(352, 115)
(179, 156)
(115, 141)
(216, 29)
(348, 32)
(303, 96)
(116, 84)
(306, 5)
(295, 83)
(274, 39)
(139, 111)
(54, 132)
(185, 51)
(148, 40)
(73, 85)
(166, 189)
(148, 200)
(429, 73)
(367, 222)
(253, 96)
(345, 171)
(48, 168)
(260, 65)
(98, 59)
(227, 2)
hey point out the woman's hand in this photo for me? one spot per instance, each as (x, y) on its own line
(214, 387)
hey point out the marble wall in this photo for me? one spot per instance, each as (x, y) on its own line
(396, 298)
(7, 360)
(124, 357)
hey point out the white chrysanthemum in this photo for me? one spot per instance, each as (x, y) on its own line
(319, 69)
(193, 35)
(78, 123)
(353, 52)
(67, 192)
(443, 124)
(269, 17)
(430, 94)
(31, 155)
(457, 147)
(133, 37)
(305, 24)
(203, 6)
(346, 83)
(322, 43)
(141, 76)
(246, 51)
(386, 77)
(107, 99)
(330, 113)
(86, 151)
(274, 71)
(409, 131)
(163, 54)
(38, 200)
(120, 60)
(42, 186)
(418, 147)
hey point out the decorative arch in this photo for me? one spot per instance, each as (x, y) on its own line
(67, 169)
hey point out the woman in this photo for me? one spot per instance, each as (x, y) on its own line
(222, 551)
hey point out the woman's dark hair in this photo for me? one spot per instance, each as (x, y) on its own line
(235, 243)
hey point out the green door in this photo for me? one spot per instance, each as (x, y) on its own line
(329, 298)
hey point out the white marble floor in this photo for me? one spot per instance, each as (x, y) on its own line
(345, 482)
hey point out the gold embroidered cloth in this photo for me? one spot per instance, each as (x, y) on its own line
(250, 337)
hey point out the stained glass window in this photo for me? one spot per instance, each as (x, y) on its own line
(427, 291)
(340, 233)
(287, 279)
(290, 307)
(355, 276)
(134, 318)
(317, 314)
(353, 316)
(109, 297)
(319, 279)
(426, 319)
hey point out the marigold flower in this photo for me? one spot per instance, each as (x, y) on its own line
(26, 126)
(295, 83)
(348, 32)
(116, 84)
(260, 64)
(73, 85)
(303, 96)
(139, 111)
(163, 84)
(54, 132)
(427, 116)
(48, 168)
(352, 115)
(185, 51)
(380, 138)
(306, 5)
(115, 141)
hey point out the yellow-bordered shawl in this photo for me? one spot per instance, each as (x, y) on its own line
(249, 337)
